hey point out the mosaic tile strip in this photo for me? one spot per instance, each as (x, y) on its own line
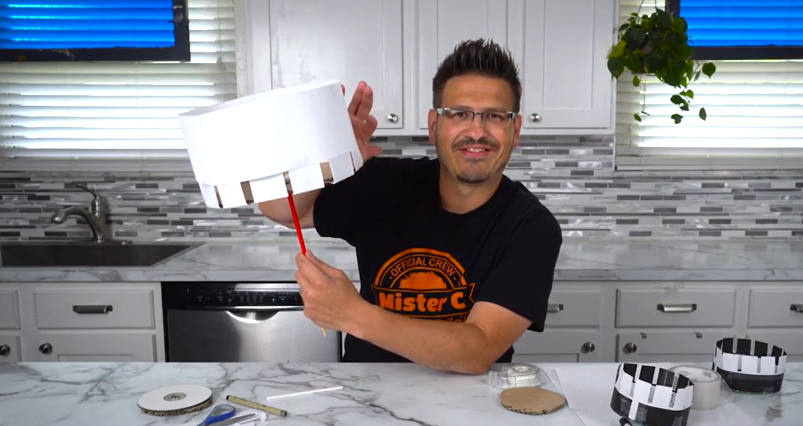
(574, 178)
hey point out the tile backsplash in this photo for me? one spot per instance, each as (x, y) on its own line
(574, 178)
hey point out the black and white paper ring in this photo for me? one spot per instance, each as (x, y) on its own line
(651, 395)
(748, 365)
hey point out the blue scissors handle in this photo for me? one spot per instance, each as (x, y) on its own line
(220, 412)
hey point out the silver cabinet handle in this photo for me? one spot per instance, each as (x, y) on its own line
(797, 308)
(535, 118)
(630, 348)
(393, 118)
(92, 309)
(554, 308)
(5, 350)
(46, 348)
(688, 307)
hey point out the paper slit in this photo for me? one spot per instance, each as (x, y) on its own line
(356, 158)
(210, 196)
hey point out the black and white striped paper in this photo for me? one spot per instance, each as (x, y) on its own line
(652, 395)
(750, 365)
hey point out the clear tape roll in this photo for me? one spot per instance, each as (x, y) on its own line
(707, 386)
(514, 376)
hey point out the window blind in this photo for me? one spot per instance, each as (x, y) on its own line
(754, 116)
(117, 109)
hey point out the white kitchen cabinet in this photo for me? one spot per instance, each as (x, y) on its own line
(561, 47)
(396, 46)
(558, 346)
(440, 26)
(652, 346)
(344, 40)
(73, 321)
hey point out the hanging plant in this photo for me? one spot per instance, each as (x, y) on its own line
(657, 44)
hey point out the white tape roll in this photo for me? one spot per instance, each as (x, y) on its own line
(706, 386)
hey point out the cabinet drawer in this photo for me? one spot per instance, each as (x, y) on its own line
(673, 346)
(9, 310)
(59, 309)
(775, 308)
(557, 346)
(574, 308)
(673, 308)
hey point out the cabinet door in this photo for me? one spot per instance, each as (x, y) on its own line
(94, 347)
(557, 346)
(442, 24)
(344, 40)
(561, 47)
(10, 348)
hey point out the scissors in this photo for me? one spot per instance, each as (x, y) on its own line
(220, 412)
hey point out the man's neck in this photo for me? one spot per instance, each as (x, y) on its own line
(460, 198)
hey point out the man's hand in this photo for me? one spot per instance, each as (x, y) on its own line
(329, 296)
(363, 123)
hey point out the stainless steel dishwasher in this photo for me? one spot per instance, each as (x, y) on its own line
(242, 322)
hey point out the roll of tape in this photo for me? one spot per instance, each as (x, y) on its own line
(707, 385)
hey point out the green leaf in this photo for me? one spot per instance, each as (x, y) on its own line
(677, 118)
(688, 93)
(635, 36)
(703, 114)
(616, 67)
(623, 26)
(636, 81)
(618, 50)
(684, 107)
(636, 116)
(677, 100)
(709, 69)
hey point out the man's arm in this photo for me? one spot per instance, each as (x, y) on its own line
(513, 298)
(469, 347)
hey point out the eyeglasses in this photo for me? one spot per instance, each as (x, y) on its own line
(464, 116)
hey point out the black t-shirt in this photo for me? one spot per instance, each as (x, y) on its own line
(419, 260)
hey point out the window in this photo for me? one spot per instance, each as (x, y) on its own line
(754, 108)
(94, 30)
(117, 109)
(743, 29)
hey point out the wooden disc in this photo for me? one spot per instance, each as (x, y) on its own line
(531, 400)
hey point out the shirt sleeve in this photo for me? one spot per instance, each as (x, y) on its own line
(343, 208)
(521, 279)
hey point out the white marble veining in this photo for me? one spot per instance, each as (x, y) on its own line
(88, 394)
(593, 260)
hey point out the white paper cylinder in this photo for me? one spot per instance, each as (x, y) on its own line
(267, 138)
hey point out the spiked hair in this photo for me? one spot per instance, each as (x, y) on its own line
(478, 57)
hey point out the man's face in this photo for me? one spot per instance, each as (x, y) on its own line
(473, 150)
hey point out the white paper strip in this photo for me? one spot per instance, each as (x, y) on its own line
(662, 394)
(210, 198)
(268, 188)
(749, 364)
(730, 362)
(767, 366)
(231, 195)
(356, 158)
(305, 179)
(341, 167)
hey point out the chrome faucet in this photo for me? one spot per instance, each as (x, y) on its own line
(96, 216)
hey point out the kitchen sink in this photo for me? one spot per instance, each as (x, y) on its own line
(89, 254)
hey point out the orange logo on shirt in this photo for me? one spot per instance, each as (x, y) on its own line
(424, 283)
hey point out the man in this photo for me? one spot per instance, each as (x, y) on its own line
(456, 260)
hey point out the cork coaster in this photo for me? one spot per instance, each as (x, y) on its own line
(531, 400)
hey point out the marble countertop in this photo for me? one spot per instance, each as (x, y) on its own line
(88, 394)
(592, 260)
